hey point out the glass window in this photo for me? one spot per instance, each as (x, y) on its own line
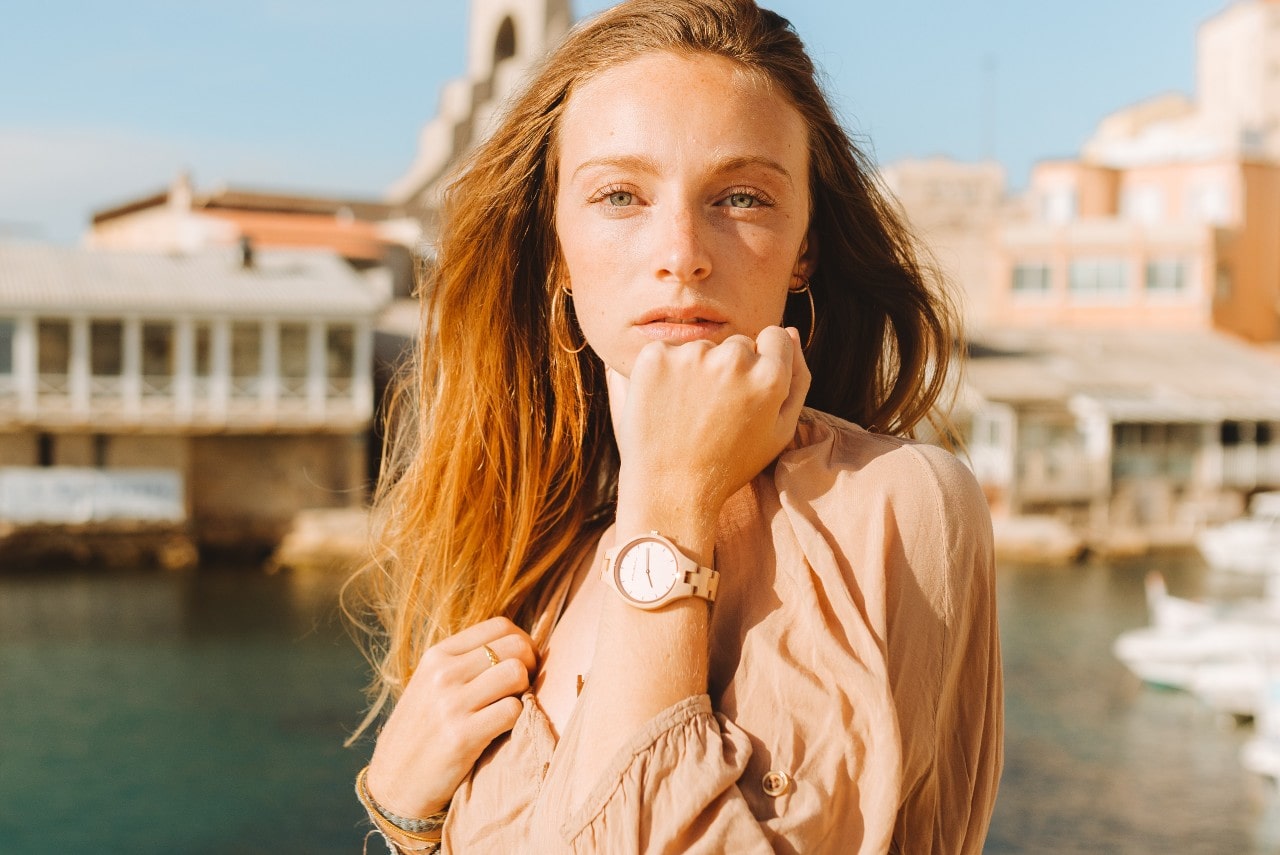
(1097, 278)
(1059, 205)
(204, 349)
(7, 326)
(293, 350)
(157, 349)
(246, 349)
(1031, 278)
(293, 358)
(53, 347)
(1167, 276)
(340, 349)
(1144, 203)
(106, 348)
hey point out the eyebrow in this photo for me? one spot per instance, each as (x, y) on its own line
(640, 163)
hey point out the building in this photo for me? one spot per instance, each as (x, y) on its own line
(1148, 435)
(180, 219)
(956, 210)
(1125, 311)
(505, 38)
(213, 393)
(1170, 218)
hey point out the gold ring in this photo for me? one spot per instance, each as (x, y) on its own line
(493, 657)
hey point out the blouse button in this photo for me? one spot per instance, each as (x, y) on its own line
(776, 783)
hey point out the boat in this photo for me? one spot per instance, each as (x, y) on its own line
(1250, 544)
(1225, 650)
(1261, 753)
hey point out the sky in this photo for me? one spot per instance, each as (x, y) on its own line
(103, 102)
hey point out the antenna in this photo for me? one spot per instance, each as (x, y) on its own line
(989, 75)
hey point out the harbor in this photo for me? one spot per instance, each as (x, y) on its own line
(243, 685)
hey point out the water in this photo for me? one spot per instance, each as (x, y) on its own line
(204, 713)
(192, 713)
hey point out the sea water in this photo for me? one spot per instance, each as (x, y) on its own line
(204, 712)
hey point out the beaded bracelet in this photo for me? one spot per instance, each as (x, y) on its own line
(425, 830)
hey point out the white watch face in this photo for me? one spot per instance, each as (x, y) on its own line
(647, 570)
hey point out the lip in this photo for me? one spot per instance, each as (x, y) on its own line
(681, 323)
(682, 314)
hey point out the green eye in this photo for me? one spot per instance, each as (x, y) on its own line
(620, 199)
(742, 200)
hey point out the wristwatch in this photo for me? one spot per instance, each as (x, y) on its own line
(649, 572)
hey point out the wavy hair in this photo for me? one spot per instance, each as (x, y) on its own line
(500, 468)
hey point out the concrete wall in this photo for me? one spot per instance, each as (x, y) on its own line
(18, 449)
(246, 489)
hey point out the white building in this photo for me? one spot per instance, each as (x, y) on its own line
(233, 387)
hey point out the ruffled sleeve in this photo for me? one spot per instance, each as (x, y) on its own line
(671, 789)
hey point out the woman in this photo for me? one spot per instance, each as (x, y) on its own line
(643, 584)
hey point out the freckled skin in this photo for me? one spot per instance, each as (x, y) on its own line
(683, 185)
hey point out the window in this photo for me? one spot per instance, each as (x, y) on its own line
(340, 348)
(7, 326)
(1031, 278)
(504, 46)
(1059, 205)
(204, 349)
(1168, 276)
(106, 348)
(293, 359)
(1143, 203)
(1210, 203)
(44, 449)
(53, 347)
(1230, 433)
(246, 359)
(157, 350)
(1093, 278)
(246, 349)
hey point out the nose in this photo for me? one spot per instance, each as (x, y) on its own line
(682, 251)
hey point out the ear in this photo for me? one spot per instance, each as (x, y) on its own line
(807, 261)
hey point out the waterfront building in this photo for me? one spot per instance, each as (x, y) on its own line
(1142, 437)
(1124, 311)
(214, 393)
(181, 219)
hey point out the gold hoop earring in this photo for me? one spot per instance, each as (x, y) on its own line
(557, 310)
(813, 314)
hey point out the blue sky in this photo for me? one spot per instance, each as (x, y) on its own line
(103, 102)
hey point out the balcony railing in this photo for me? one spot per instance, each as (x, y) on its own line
(155, 399)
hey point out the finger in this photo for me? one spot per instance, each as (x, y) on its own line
(496, 719)
(745, 342)
(507, 678)
(775, 343)
(482, 633)
(509, 648)
(800, 380)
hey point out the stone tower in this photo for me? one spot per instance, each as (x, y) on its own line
(505, 38)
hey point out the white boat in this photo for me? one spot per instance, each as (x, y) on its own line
(1261, 754)
(1250, 544)
(1235, 687)
(1228, 649)
(1172, 658)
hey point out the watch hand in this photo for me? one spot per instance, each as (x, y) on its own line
(646, 568)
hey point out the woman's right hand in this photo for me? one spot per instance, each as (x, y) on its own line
(456, 703)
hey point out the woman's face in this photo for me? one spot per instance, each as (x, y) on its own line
(683, 203)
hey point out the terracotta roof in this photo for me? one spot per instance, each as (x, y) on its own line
(45, 278)
(243, 199)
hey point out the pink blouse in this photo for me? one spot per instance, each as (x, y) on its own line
(855, 700)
